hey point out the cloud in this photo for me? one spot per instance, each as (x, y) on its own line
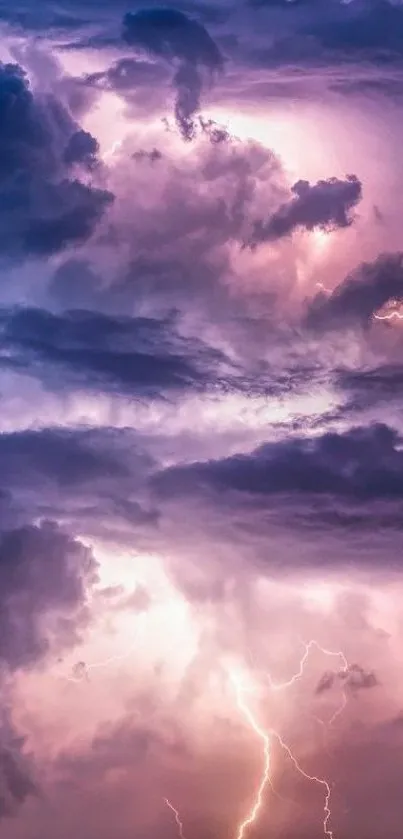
(183, 42)
(293, 488)
(82, 148)
(44, 206)
(355, 678)
(330, 35)
(362, 463)
(143, 155)
(139, 355)
(43, 578)
(371, 386)
(325, 205)
(360, 295)
(369, 30)
(16, 770)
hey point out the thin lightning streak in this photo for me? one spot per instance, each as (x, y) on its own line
(177, 818)
(112, 660)
(277, 686)
(265, 736)
(390, 316)
(308, 647)
(326, 809)
(265, 779)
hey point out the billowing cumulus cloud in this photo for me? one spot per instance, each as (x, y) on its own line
(201, 419)
(44, 206)
(331, 478)
(43, 578)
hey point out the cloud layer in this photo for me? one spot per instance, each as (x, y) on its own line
(201, 429)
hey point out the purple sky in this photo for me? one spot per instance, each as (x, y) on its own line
(201, 427)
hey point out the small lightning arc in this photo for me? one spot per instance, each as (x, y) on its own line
(265, 737)
(106, 662)
(296, 676)
(177, 818)
(328, 792)
(389, 316)
(278, 686)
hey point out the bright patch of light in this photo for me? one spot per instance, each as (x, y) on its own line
(321, 596)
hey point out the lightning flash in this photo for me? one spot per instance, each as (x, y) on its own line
(300, 672)
(177, 818)
(82, 670)
(265, 737)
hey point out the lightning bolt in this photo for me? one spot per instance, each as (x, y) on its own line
(308, 647)
(265, 737)
(177, 818)
(106, 662)
(278, 686)
(390, 316)
(265, 778)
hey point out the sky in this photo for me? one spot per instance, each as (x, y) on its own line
(201, 426)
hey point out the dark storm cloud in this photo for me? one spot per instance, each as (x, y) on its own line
(371, 386)
(144, 357)
(64, 457)
(362, 464)
(43, 577)
(96, 351)
(75, 285)
(82, 148)
(16, 771)
(129, 74)
(184, 43)
(325, 205)
(355, 678)
(369, 29)
(150, 156)
(312, 32)
(360, 295)
(84, 475)
(178, 221)
(44, 207)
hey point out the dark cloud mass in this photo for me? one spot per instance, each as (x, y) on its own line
(361, 295)
(43, 575)
(201, 427)
(362, 464)
(44, 207)
(324, 205)
(16, 771)
(186, 44)
(135, 355)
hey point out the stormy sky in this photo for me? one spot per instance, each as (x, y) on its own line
(201, 425)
